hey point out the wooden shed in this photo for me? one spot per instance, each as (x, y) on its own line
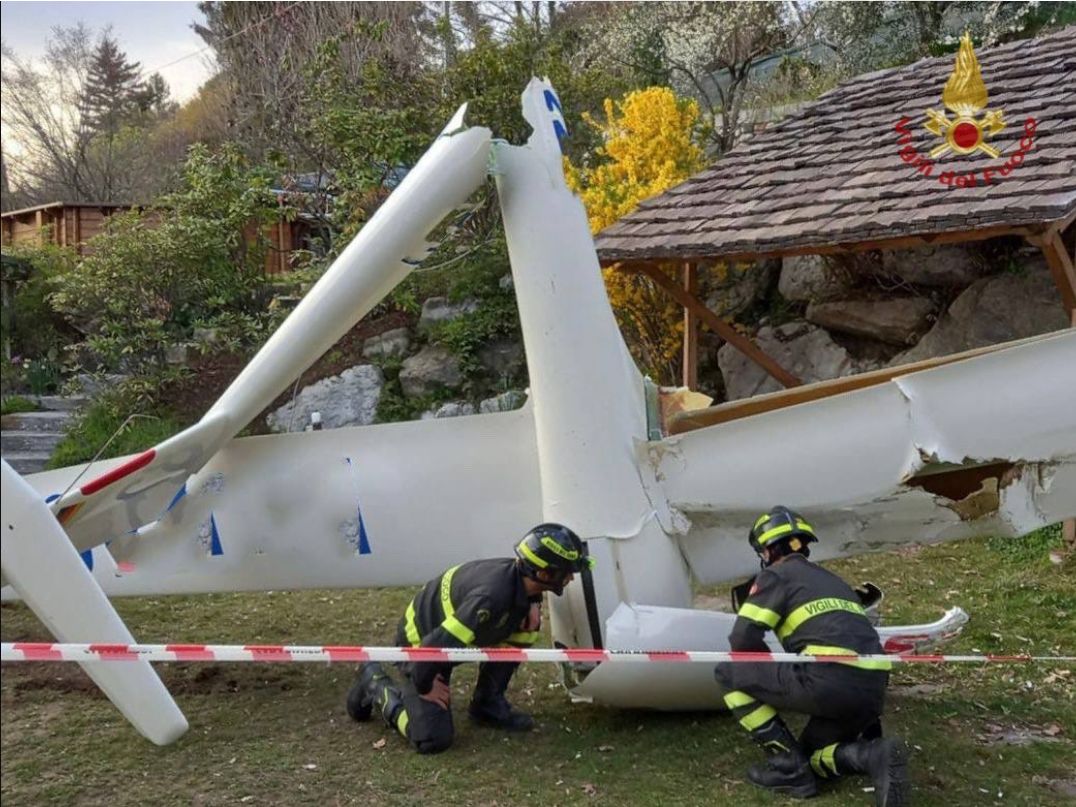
(73, 224)
(866, 167)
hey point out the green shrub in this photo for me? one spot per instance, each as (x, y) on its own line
(16, 403)
(150, 277)
(94, 427)
(30, 324)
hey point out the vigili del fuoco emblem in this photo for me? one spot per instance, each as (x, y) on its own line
(965, 95)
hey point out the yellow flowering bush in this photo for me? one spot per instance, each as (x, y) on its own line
(649, 145)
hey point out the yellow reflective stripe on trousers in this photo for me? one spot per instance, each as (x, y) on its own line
(823, 761)
(401, 723)
(410, 627)
(759, 717)
(757, 614)
(825, 605)
(451, 623)
(737, 698)
(826, 650)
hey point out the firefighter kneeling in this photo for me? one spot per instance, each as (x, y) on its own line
(812, 611)
(484, 603)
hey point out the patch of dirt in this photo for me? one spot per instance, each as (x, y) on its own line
(997, 734)
(917, 690)
(211, 374)
(1063, 787)
(711, 602)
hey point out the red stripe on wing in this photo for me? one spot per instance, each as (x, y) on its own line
(129, 467)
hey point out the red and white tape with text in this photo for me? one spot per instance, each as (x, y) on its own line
(45, 651)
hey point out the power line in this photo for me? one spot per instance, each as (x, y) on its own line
(278, 14)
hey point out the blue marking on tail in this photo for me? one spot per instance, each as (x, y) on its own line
(551, 101)
(558, 127)
(51, 498)
(214, 537)
(87, 558)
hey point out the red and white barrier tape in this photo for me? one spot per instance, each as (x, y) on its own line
(44, 651)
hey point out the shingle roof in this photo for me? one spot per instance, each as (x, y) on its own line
(832, 173)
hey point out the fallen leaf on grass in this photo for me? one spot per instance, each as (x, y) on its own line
(310, 766)
(380, 743)
(590, 789)
(605, 748)
(1052, 730)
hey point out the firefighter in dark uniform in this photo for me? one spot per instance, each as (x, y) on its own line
(483, 603)
(811, 611)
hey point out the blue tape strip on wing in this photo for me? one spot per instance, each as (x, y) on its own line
(87, 558)
(558, 127)
(551, 101)
(51, 498)
(364, 542)
(214, 546)
(175, 499)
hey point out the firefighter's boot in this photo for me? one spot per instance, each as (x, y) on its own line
(489, 707)
(885, 760)
(360, 698)
(787, 769)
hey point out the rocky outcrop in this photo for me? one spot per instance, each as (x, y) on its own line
(812, 277)
(390, 344)
(502, 359)
(805, 350)
(898, 321)
(505, 402)
(348, 399)
(732, 288)
(994, 309)
(438, 310)
(452, 409)
(933, 266)
(434, 367)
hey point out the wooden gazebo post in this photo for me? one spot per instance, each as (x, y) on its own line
(691, 329)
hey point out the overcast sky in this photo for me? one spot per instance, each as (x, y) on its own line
(154, 34)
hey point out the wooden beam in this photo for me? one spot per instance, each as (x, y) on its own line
(902, 242)
(1057, 258)
(715, 323)
(691, 329)
(746, 407)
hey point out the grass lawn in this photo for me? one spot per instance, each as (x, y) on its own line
(278, 734)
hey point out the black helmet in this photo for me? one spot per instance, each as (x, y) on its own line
(552, 548)
(780, 524)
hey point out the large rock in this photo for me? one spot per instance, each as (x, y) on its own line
(933, 266)
(348, 399)
(502, 359)
(432, 368)
(812, 277)
(452, 409)
(732, 288)
(899, 321)
(505, 402)
(437, 310)
(806, 351)
(992, 310)
(390, 344)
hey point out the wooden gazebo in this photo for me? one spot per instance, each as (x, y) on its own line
(849, 173)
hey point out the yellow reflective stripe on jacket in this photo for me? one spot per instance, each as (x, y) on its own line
(410, 626)
(759, 717)
(451, 623)
(758, 614)
(826, 650)
(814, 608)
